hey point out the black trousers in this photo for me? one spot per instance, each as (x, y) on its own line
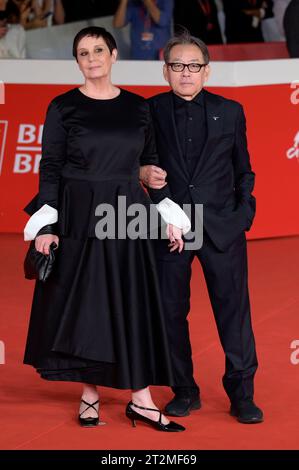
(227, 282)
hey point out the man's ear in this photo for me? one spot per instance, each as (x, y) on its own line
(207, 73)
(165, 72)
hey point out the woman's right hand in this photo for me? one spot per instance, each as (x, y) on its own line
(42, 243)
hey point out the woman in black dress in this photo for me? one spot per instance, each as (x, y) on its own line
(98, 319)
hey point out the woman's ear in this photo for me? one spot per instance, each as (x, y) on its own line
(114, 55)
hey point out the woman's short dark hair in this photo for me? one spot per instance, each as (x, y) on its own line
(185, 38)
(94, 31)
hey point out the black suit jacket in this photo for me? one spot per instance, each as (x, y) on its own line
(222, 180)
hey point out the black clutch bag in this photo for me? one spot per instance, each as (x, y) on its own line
(37, 265)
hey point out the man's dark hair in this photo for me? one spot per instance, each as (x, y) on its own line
(185, 38)
(94, 31)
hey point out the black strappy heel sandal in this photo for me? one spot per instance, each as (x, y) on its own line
(134, 416)
(89, 422)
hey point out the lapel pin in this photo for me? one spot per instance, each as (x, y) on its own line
(216, 117)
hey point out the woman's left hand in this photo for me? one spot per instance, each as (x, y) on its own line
(175, 237)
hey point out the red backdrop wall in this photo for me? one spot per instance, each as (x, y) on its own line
(273, 136)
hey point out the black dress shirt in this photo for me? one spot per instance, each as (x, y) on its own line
(191, 124)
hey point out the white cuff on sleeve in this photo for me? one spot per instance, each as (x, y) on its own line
(44, 216)
(262, 13)
(255, 21)
(173, 214)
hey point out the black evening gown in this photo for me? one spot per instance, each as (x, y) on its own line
(98, 318)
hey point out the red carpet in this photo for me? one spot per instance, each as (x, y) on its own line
(36, 414)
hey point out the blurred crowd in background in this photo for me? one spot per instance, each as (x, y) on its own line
(150, 23)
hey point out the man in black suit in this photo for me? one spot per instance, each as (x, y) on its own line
(201, 142)
(290, 23)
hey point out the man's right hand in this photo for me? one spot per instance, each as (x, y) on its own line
(42, 243)
(152, 176)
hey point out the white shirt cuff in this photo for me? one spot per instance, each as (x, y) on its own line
(172, 213)
(263, 13)
(255, 21)
(44, 216)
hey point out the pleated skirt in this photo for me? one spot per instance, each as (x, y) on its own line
(98, 319)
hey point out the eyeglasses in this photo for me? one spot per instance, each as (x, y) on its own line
(179, 67)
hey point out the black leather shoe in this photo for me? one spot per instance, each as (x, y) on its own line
(181, 406)
(89, 422)
(134, 416)
(247, 412)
